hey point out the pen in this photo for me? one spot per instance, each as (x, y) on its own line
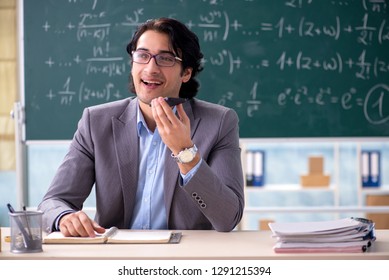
(10, 208)
(28, 224)
(26, 236)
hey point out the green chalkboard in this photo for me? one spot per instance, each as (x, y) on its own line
(298, 68)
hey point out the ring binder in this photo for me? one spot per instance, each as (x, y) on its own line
(371, 168)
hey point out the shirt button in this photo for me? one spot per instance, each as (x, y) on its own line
(151, 171)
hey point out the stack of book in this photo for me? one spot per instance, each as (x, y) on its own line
(343, 235)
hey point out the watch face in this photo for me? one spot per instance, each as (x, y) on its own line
(186, 156)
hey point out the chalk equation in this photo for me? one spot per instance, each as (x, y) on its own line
(363, 33)
(375, 104)
(70, 93)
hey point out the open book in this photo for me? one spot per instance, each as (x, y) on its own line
(115, 235)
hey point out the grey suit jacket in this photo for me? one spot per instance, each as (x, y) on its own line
(104, 154)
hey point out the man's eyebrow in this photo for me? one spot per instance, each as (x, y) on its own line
(170, 52)
(142, 49)
(161, 51)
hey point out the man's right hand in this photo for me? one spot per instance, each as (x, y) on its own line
(79, 224)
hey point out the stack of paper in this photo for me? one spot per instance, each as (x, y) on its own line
(342, 235)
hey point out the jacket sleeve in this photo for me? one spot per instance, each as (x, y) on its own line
(73, 180)
(217, 186)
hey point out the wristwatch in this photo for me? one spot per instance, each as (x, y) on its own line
(186, 155)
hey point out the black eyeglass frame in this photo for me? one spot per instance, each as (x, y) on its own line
(155, 58)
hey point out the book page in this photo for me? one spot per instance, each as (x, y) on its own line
(57, 237)
(139, 236)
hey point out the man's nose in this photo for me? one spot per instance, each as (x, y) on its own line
(152, 66)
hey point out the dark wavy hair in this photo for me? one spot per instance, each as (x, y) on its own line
(185, 44)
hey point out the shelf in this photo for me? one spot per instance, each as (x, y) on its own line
(319, 209)
(286, 188)
(345, 194)
(375, 191)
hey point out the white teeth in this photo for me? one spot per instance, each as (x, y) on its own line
(152, 82)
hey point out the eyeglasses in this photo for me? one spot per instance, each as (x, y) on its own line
(162, 59)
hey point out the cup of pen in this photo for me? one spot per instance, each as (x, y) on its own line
(26, 231)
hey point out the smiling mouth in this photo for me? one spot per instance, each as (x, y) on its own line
(151, 83)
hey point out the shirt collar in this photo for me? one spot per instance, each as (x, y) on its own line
(140, 122)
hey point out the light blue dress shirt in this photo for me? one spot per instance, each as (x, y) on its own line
(149, 211)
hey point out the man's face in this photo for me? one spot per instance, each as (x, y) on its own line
(150, 80)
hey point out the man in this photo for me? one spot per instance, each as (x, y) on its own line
(153, 166)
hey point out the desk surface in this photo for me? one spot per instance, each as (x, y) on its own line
(194, 245)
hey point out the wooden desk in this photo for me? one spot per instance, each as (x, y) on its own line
(239, 245)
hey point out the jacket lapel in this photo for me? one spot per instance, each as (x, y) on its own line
(125, 137)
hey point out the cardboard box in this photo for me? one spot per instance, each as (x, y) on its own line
(264, 224)
(381, 220)
(315, 177)
(315, 180)
(316, 165)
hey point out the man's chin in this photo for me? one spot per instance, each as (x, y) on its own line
(145, 101)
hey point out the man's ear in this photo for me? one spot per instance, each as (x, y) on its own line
(187, 73)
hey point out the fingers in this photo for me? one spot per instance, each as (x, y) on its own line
(174, 130)
(79, 224)
(98, 228)
(163, 113)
